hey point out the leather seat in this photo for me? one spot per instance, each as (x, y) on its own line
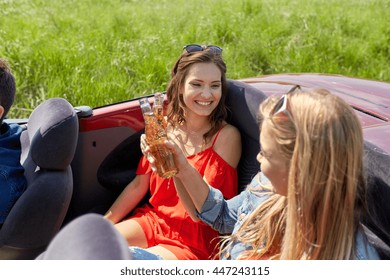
(243, 101)
(377, 221)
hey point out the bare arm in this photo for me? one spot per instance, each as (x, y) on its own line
(182, 164)
(228, 145)
(191, 187)
(129, 198)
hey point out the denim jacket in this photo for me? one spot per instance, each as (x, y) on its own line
(12, 180)
(227, 216)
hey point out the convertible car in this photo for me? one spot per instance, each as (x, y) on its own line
(79, 159)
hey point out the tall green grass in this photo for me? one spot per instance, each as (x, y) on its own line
(94, 52)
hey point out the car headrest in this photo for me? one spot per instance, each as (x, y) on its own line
(52, 132)
(376, 163)
(243, 102)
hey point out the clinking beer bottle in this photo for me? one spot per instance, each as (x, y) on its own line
(155, 136)
(158, 108)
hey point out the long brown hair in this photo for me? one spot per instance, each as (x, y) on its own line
(175, 112)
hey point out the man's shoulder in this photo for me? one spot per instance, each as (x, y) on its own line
(15, 128)
(10, 130)
(10, 136)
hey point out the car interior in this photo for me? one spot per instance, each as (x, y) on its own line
(106, 158)
(100, 151)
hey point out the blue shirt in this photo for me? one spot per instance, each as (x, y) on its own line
(227, 216)
(12, 180)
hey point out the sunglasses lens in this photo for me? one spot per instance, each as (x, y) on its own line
(215, 49)
(279, 105)
(198, 48)
(193, 48)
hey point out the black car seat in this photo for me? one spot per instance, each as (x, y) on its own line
(48, 147)
(243, 102)
(377, 221)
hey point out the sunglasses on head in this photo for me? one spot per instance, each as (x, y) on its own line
(198, 48)
(280, 108)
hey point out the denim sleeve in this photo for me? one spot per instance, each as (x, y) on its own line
(219, 213)
(364, 250)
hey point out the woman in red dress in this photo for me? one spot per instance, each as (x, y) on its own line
(196, 123)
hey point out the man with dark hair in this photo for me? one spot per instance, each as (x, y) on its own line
(12, 180)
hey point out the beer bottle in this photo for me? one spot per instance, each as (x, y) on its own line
(158, 108)
(155, 136)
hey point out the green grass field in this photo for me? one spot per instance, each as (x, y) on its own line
(94, 52)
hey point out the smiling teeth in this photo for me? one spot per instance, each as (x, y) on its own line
(203, 103)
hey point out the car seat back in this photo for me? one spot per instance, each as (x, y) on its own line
(377, 220)
(243, 101)
(48, 147)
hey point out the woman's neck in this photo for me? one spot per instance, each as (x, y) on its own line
(195, 128)
(189, 135)
(195, 124)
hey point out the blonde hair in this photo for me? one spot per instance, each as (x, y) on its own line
(322, 141)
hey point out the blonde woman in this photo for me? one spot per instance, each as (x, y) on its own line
(312, 155)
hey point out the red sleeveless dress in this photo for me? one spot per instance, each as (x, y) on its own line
(165, 220)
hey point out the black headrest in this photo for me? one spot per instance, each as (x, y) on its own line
(52, 131)
(377, 164)
(243, 101)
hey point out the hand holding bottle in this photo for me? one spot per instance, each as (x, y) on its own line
(156, 136)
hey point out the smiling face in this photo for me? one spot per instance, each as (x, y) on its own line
(202, 89)
(273, 164)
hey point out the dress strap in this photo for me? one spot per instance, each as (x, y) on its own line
(216, 135)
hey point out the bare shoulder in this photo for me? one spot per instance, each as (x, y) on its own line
(229, 131)
(228, 144)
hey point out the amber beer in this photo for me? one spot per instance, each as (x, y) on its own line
(155, 136)
(158, 108)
